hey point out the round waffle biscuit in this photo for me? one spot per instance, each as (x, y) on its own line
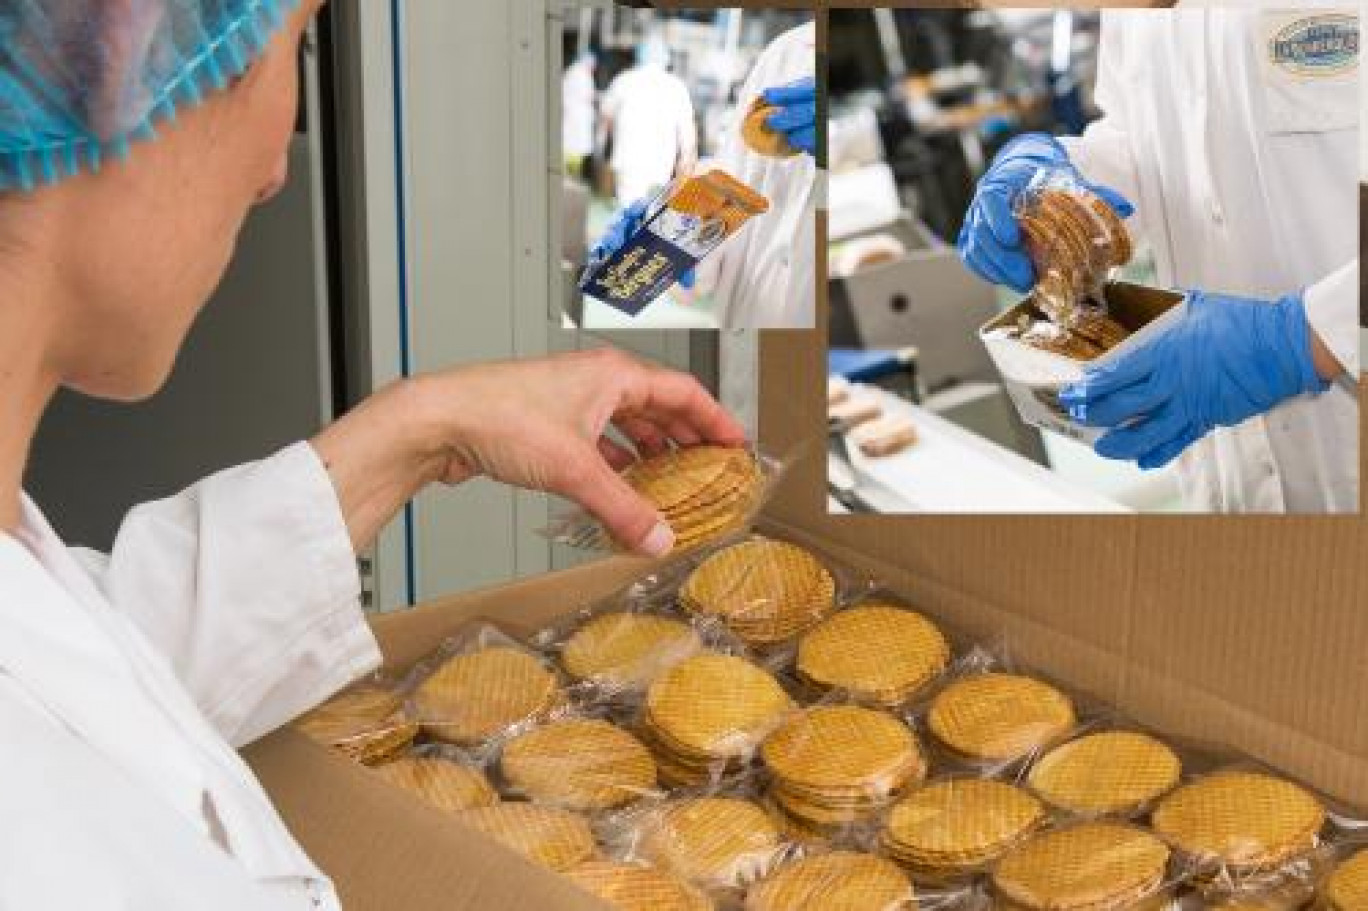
(1120, 248)
(717, 842)
(960, 824)
(1113, 772)
(672, 478)
(843, 748)
(757, 135)
(627, 649)
(1099, 330)
(366, 724)
(764, 590)
(873, 651)
(1093, 866)
(715, 706)
(1241, 820)
(444, 784)
(999, 717)
(636, 887)
(1347, 887)
(838, 881)
(474, 696)
(581, 764)
(555, 838)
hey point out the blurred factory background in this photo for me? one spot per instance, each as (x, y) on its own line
(920, 101)
(624, 70)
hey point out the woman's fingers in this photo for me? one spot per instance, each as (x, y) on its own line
(592, 483)
(615, 454)
(678, 402)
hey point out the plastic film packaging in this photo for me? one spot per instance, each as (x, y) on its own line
(834, 881)
(483, 686)
(719, 840)
(628, 886)
(705, 717)
(578, 762)
(764, 590)
(990, 717)
(1096, 865)
(835, 766)
(684, 223)
(1344, 883)
(952, 828)
(706, 493)
(1074, 239)
(367, 722)
(1107, 768)
(878, 651)
(447, 778)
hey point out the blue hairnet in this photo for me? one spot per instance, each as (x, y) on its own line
(81, 79)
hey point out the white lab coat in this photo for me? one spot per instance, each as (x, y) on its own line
(653, 129)
(764, 277)
(1243, 173)
(577, 106)
(127, 679)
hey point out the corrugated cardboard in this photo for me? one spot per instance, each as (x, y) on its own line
(1248, 631)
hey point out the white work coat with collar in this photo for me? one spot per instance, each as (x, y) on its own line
(127, 679)
(1235, 135)
(764, 277)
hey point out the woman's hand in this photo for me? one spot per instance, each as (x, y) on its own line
(537, 424)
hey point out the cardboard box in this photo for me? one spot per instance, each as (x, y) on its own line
(1034, 377)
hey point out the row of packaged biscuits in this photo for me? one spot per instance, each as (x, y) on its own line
(753, 727)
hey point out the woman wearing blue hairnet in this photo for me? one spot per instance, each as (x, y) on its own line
(135, 135)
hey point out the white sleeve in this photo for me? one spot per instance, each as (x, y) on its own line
(1103, 152)
(248, 583)
(1332, 308)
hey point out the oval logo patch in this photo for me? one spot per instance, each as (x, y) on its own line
(1326, 45)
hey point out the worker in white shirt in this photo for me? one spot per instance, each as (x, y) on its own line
(649, 115)
(578, 98)
(128, 678)
(764, 277)
(1231, 136)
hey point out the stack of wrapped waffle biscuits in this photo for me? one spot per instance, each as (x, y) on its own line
(704, 493)
(764, 591)
(1074, 240)
(739, 732)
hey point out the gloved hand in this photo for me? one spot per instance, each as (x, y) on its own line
(623, 226)
(797, 114)
(1228, 359)
(990, 239)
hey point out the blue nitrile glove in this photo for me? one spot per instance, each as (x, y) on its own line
(623, 226)
(797, 114)
(1228, 359)
(990, 240)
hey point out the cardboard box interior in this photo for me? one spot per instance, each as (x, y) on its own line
(1248, 631)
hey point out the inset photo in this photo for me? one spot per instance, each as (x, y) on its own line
(691, 168)
(1094, 262)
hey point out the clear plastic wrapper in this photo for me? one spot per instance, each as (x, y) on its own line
(367, 722)
(845, 879)
(1108, 767)
(578, 762)
(1343, 885)
(706, 494)
(949, 830)
(990, 717)
(878, 650)
(835, 766)
(1095, 865)
(765, 591)
(483, 686)
(1074, 240)
(706, 717)
(634, 886)
(720, 840)
(445, 777)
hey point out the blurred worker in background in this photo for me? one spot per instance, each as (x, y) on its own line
(578, 95)
(127, 679)
(763, 278)
(649, 116)
(1234, 133)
